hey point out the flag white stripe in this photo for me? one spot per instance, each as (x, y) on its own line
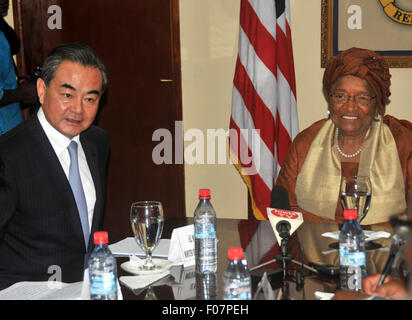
(266, 13)
(287, 106)
(282, 22)
(240, 113)
(262, 78)
(287, 11)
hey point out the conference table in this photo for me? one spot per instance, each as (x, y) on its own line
(191, 286)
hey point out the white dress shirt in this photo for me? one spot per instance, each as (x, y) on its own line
(60, 143)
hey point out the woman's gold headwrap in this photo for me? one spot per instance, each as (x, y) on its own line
(362, 63)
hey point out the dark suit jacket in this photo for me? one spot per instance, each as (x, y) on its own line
(40, 226)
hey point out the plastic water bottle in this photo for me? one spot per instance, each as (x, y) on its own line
(352, 254)
(237, 284)
(205, 234)
(102, 269)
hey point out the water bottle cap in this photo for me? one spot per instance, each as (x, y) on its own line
(204, 193)
(350, 214)
(235, 253)
(101, 237)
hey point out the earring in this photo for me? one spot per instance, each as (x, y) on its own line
(328, 113)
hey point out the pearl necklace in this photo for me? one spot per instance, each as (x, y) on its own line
(341, 152)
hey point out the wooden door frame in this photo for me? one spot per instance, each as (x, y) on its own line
(177, 72)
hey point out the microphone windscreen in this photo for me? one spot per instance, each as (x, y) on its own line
(279, 198)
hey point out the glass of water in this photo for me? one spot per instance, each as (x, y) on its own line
(146, 218)
(355, 193)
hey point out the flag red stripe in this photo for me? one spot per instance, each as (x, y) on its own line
(285, 57)
(262, 41)
(261, 194)
(289, 49)
(262, 116)
(282, 138)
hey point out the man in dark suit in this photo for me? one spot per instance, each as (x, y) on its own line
(51, 197)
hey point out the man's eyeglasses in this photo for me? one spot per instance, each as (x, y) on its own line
(342, 97)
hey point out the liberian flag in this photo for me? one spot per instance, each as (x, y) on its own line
(264, 119)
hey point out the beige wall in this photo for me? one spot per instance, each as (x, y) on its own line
(209, 30)
(9, 18)
(208, 49)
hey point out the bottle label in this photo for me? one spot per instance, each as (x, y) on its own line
(204, 230)
(237, 293)
(102, 283)
(350, 258)
(352, 263)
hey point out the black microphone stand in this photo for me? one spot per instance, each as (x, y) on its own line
(284, 258)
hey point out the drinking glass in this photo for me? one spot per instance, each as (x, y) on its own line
(146, 218)
(355, 193)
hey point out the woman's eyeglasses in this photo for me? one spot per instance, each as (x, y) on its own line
(342, 97)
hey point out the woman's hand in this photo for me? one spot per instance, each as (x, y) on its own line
(392, 288)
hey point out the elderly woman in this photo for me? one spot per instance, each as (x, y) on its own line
(356, 139)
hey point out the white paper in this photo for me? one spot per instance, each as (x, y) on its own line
(42, 290)
(369, 235)
(182, 245)
(324, 295)
(137, 282)
(329, 251)
(265, 286)
(333, 235)
(128, 247)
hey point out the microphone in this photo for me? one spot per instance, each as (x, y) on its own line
(279, 198)
(283, 228)
(284, 222)
(399, 240)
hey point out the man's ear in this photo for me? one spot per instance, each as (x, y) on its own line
(41, 89)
